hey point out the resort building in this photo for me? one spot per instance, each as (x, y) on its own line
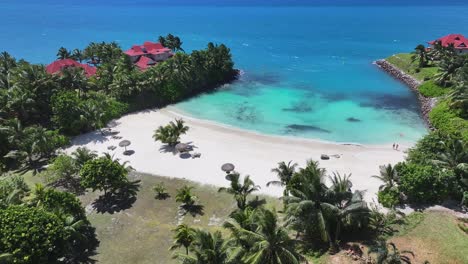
(459, 42)
(148, 54)
(58, 65)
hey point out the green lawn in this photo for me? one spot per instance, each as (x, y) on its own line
(434, 237)
(404, 62)
(142, 234)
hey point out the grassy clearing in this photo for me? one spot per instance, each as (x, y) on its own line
(142, 234)
(404, 62)
(434, 236)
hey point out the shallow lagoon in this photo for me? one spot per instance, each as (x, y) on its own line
(307, 68)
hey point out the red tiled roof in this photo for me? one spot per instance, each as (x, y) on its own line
(59, 65)
(147, 48)
(458, 41)
(144, 62)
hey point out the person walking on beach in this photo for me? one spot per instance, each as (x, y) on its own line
(393, 145)
(396, 147)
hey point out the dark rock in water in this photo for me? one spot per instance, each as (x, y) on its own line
(299, 107)
(306, 128)
(352, 119)
(324, 157)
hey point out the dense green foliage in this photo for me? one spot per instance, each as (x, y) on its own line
(389, 197)
(103, 174)
(448, 120)
(416, 180)
(35, 106)
(32, 235)
(12, 190)
(431, 89)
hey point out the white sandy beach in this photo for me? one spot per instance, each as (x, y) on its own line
(252, 153)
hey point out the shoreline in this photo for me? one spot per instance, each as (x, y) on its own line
(426, 103)
(178, 113)
(252, 153)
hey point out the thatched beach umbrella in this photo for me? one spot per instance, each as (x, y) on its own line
(227, 167)
(182, 147)
(125, 144)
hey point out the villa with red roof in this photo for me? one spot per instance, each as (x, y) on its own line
(58, 65)
(148, 54)
(460, 43)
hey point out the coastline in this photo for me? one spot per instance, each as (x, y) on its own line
(252, 153)
(426, 103)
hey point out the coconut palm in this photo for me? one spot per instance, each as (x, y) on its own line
(268, 243)
(239, 189)
(459, 99)
(448, 68)
(184, 195)
(388, 175)
(63, 53)
(82, 155)
(388, 253)
(420, 54)
(7, 63)
(285, 173)
(206, 248)
(77, 55)
(454, 154)
(170, 134)
(313, 206)
(183, 237)
(6, 258)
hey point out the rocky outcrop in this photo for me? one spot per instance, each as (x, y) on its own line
(427, 103)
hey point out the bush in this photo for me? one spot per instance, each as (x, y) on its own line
(426, 149)
(103, 174)
(424, 183)
(389, 197)
(448, 121)
(32, 235)
(431, 89)
(66, 114)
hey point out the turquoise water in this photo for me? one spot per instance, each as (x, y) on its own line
(307, 67)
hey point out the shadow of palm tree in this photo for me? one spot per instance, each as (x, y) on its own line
(72, 185)
(119, 200)
(162, 196)
(193, 209)
(168, 149)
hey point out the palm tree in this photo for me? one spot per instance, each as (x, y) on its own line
(285, 173)
(459, 99)
(388, 253)
(63, 53)
(6, 258)
(268, 243)
(7, 64)
(183, 237)
(184, 195)
(421, 55)
(240, 189)
(207, 248)
(170, 134)
(312, 205)
(454, 156)
(388, 175)
(77, 55)
(82, 155)
(448, 68)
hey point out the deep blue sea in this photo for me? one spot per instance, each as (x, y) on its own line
(307, 65)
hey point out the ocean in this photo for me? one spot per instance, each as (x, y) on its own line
(307, 65)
